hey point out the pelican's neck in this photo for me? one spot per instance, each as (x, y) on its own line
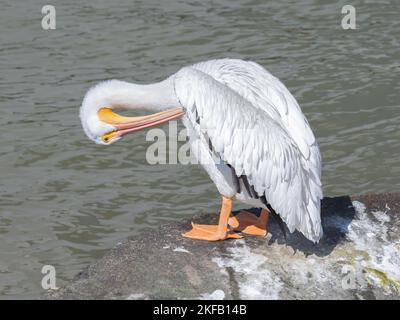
(121, 94)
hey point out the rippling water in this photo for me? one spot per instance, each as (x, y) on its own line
(64, 200)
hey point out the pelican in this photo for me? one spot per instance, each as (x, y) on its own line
(244, 127)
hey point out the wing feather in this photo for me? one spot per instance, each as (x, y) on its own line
(257, 144)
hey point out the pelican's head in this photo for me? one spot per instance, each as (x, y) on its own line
(104, 126)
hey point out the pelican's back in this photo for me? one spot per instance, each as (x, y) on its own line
(293, 161)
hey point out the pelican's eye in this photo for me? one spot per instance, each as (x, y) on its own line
(109, 136)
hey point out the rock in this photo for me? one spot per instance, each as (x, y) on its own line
(358, 258)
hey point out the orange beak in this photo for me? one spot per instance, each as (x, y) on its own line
(125, 125)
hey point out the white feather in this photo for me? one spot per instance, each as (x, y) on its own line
(259, 129)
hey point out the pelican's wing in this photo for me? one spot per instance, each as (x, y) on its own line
(267, 93)
(255, 145)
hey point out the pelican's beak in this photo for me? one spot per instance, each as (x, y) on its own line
(125, 125)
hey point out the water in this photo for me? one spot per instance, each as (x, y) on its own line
(64, 200)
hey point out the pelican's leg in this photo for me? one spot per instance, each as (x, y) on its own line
(214, 232)
(249, 223)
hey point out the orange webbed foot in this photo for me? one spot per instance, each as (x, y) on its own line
(209, 233)
(249, 223)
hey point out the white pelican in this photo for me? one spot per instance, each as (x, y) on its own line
(245, 128)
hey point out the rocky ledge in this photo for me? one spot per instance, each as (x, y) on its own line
(358, 258)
